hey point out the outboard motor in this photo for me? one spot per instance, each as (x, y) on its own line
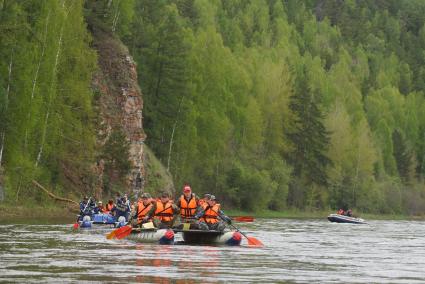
(86, 223)
(121, 222)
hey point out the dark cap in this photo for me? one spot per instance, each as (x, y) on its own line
(164, 194)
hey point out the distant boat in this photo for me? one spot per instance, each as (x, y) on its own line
(345, 219)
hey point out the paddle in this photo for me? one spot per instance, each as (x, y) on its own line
(243, 218)
(76, 225)
(251, 240)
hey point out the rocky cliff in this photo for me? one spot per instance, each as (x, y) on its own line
(119, 104)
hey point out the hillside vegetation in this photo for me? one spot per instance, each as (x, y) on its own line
(268, 104)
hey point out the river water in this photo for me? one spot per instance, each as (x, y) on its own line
(296, 251)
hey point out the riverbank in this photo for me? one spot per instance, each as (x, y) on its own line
(19, 214)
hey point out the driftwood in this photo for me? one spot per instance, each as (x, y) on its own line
(52, 195)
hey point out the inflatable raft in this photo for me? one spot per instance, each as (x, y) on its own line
(160, 236)
(345, 219)
(101, 221)
(232, 238)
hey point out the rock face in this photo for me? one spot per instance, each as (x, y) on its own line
(120, 105)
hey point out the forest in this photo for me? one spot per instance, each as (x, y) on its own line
(268, 104)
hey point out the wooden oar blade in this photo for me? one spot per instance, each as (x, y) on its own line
(254, 242)
(126, 230)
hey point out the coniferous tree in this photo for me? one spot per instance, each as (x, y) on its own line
(309, 137)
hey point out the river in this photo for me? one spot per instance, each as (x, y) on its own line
(296, 251)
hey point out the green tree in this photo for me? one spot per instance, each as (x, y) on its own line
(309, 137)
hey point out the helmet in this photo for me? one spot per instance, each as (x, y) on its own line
(212, 197)
(100, 202)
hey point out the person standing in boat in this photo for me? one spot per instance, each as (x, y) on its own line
(165, 212)
(144, 210)
(211, 216)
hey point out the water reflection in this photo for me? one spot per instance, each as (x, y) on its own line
(192, 265)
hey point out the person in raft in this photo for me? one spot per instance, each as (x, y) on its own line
(87, 206)
(349, 213)
(165, 212)
(211, 217)
(109, 206)
(187, 203)
(143, 211)
(203, 200)
(99, 209)
(122, 207)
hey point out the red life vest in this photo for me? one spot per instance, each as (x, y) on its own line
(188, 208)
(164, 212)
(211, 213)
(142, 210)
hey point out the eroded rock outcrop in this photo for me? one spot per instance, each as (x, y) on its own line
(119, 105)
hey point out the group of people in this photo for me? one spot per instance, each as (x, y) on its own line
(189, 211)
(121, 206)
(197, 213)
(348, 212)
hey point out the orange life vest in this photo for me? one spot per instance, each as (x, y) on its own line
(188, 209)
(164, 212)
(142, 210)
(211, 213)
(109, 206)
